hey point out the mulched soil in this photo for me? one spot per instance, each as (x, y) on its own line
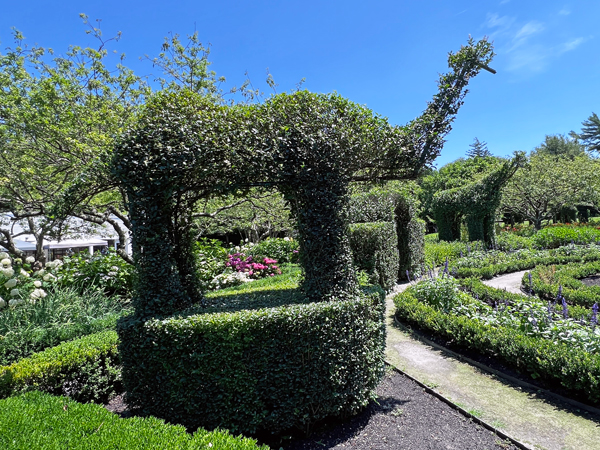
(405, 416)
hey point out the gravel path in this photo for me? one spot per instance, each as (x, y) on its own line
(511, 282)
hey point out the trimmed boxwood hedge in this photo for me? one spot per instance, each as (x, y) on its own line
(394, 203)
(492, 270)
(558, 363)
(87, 369)
(374, 248)
(568, 276)
(490, 295)
(267, 369)
(43, 422)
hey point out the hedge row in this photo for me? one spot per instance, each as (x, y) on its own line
(556, 236)
(43, 422)
(86, 369)
(394, 203)
(490, 295)
(497, 269)
(267, 369)
(19, 344)
(374, 248)
(568, 276)
(572, 368)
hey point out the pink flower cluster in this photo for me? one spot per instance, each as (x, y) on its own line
(240, 263)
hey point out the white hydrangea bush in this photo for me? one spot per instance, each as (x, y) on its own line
(20, 283)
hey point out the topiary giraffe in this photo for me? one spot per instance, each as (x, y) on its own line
(476, 202)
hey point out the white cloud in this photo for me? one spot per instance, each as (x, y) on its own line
(529, 29)
(564, 12)
(504, 2)
(571, 45)
(528, 47)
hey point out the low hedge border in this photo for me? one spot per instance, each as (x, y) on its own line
(568, 276)
(374, 248)
(490, 295)
(18, 345)
(497, 269)
(37, 420)
(571, 368)
(269, 369)
(86, 369)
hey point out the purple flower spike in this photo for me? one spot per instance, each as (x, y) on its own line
(595, 314)
(446, 268)
(408, 275)
(565, 310)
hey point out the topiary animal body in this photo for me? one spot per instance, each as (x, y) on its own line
(477, 202)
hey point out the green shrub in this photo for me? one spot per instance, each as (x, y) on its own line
(546, 280)
(489, 264)
(506, 241)
(40, 421)
(284, 250)
(556, 236)
(64, 314)
(558, 363)
(436, 251)
(108, 273)
(375, 250)
(211, 258)
(270, 368)
(394, 203)
(86, 369)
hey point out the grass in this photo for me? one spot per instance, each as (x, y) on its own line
(264, 293)
(41, 421)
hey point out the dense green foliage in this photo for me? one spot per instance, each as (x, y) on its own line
(556, 236)
(488, 263)
(63, 315)
(548, 183)
(477, 202)
(374, 250)
(41, 421)
(108, 273)
(270, 368)
(454, 175)
(547, 280)
(556, 363)
(87, 369)
(284, 250)
(396, 203)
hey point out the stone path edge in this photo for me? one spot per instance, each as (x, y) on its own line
(497, 373)
(464, 412)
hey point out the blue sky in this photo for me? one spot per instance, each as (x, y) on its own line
(384, 54)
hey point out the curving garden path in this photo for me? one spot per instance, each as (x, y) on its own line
(524, 415)
(510, 281)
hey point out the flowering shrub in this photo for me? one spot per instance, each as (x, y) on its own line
(19, 283)
(107, 272)
(284, 250)
(255, 270)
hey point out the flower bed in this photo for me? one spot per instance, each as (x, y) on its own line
(522, 332)
(551, 281)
